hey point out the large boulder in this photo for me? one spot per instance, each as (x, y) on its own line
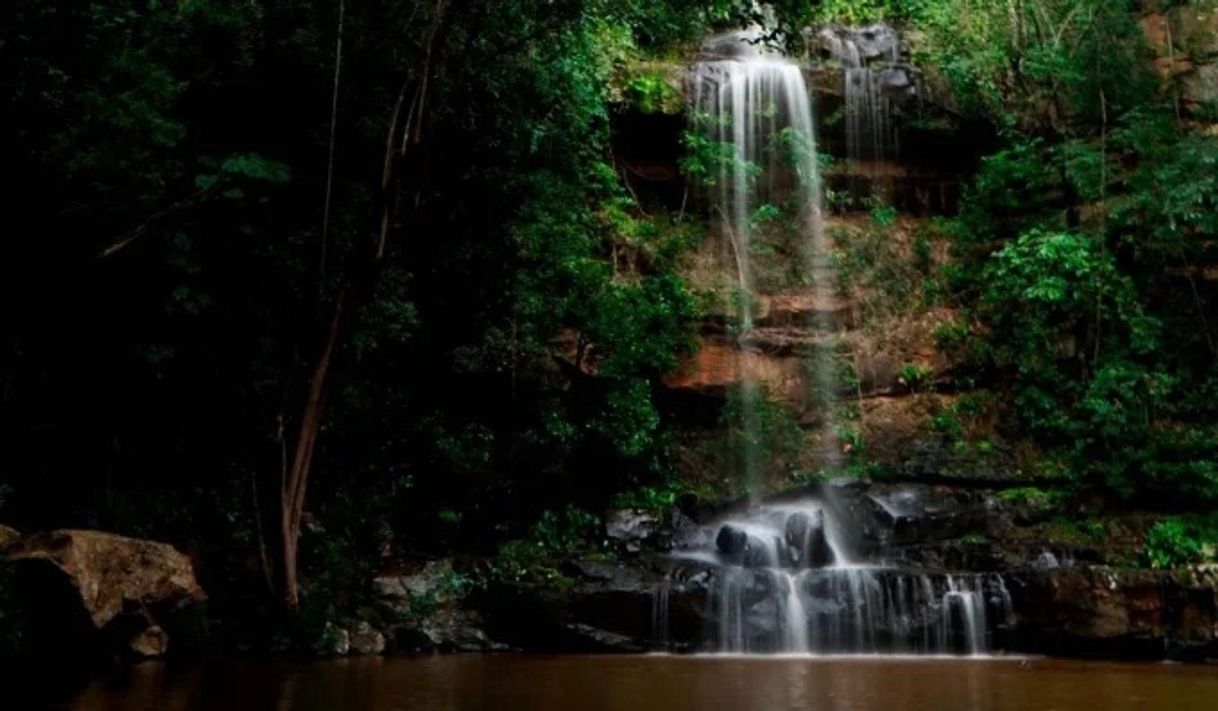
(805, 534)
(731, 541)
(7, 536)
(365, 640)
(127, 588)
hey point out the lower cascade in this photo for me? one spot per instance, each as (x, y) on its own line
(783, 579)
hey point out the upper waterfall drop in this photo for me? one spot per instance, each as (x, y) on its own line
(754, 108)
(755, 104)
(874, 82)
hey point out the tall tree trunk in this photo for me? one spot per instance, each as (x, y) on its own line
(295, 479)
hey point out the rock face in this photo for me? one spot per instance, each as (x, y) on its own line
(123, 587)
(1104, 611)
(426, 609)
(859, 45)
(607, 608)
(1184, 39)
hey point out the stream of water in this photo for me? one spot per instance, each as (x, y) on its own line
(590, 683)
(784, 578)
(755, 109)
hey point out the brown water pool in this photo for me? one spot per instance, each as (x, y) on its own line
(663, 683)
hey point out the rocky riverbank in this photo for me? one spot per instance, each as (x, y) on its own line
(1070, 596)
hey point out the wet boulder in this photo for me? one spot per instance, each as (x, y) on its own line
(758, 553)
(150, 642)
(796, 529)
(95, 589)
(818, 552)
(631, 527)
(334, 641)
(731, 541)
(805, 534)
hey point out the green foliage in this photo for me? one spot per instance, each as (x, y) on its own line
(883, 215)
(914, 377)
(651, 92)
(656, 499)
(706, 160)
(1074, 246)
(643, 327)
(1034, 500)
(629, 420)
(1054, 302)
(556, 538)
(763, 437)
(1182, 540)
(188, 143)
(1040, 64)
(958, 421)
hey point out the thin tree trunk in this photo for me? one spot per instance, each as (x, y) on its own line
(295, 483)
(295, 479)
(325, 218)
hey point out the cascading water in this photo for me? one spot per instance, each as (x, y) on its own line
(869, 57)
(783, 579)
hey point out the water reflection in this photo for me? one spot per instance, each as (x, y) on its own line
(509, 683)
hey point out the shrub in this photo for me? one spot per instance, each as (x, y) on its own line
(1183, 540)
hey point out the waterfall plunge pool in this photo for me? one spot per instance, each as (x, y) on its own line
(510, 682)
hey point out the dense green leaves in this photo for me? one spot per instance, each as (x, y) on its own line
(1177, 540)
(1079, 243)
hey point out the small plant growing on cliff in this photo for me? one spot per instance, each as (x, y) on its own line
(914, 378)
(883, 215)
(1182, 540)
(1033, 502)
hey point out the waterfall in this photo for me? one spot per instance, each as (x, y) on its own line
(869, 58)
(966, 599)
(795, 619)
(755, 108)
(660, 606)
(790, 577)
(783, 579)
